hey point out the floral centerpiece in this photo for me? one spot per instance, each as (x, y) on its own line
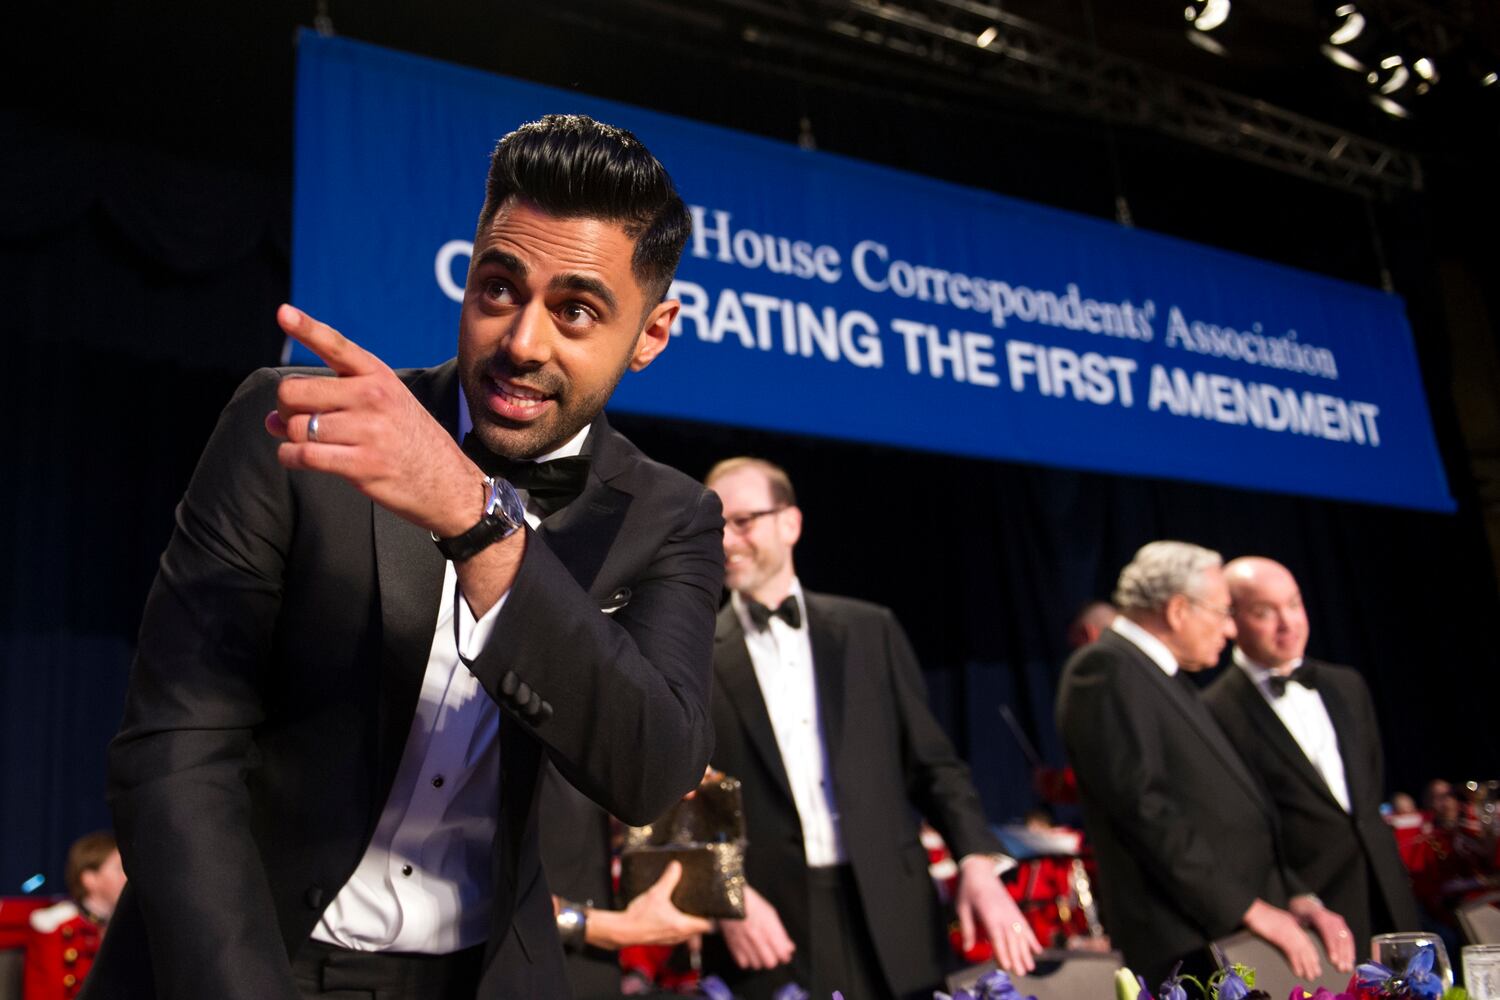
(1371, 981)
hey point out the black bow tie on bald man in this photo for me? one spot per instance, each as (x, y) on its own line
(550, 486)
(788, 611)
(1304, 675)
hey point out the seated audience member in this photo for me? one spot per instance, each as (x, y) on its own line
(1185, 838)
(1406, 822)
(1451, 860)
(1089, 624)
(1308, 730)
(65, 938)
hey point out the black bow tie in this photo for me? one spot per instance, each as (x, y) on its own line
(788, 611)
(1304, 675)
(549, 486)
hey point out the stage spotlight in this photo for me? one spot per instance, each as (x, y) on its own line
(987, 36)
(1488, 80)
(1390, 76)
(1344, 40)
(1203, 17)
(1390, 107)
(1351, 23)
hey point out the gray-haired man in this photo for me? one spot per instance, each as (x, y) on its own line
(1184, 834)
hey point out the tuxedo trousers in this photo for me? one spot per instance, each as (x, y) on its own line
(326, 972)
(843, 953)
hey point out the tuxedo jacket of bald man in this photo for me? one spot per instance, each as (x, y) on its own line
(1348, 858)
(280, 661)
(888, 760)
(1184, 835)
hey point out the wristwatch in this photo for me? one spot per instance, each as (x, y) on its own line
(503, 516)
(572, 925)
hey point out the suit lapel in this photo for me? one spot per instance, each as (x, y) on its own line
(736, 674)
(410, 570)
(583, 533)
(828, 642)
(1357, 782)
(1195, 713)
(1269, 724)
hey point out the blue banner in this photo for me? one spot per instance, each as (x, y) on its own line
(826, 296)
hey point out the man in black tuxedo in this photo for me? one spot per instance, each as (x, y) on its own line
(1308, 729)
(364, 639)
(821, 712)
(1185, 836)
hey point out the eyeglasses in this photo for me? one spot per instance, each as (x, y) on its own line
(741, 522)
(1214, 609)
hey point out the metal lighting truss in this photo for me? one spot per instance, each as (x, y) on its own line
(938, 42)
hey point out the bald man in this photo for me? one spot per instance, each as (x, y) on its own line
(1308, 728)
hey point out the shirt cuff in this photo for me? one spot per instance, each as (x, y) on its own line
(473, 635)
(1003, 862)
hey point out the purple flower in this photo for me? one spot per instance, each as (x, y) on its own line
(1420, 978)
(791, 991)
(1372, 974)
(1417, 980)
(1232, 987)
(1145, 993)
(1172, 988)
(714, 988)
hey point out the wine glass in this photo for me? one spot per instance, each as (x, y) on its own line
(1482, 971)
(1394, 951)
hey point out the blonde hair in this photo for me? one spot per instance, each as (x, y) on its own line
(782, 493)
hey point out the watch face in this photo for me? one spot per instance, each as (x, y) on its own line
(507, 503)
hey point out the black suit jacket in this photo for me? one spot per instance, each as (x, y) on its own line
(888, 759)
(1337, 854)
(280, 661)
(1184, 836)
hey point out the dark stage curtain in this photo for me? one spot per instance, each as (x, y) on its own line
(139, 289)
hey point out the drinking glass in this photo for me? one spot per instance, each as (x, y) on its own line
(1482, 971)
(1395, 950)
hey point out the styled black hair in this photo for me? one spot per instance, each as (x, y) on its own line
(572, 166)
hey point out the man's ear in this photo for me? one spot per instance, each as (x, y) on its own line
(655, 334)
(1175, 610)
(791, 524)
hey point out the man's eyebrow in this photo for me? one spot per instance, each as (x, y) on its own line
(509, 261)
(583, 283)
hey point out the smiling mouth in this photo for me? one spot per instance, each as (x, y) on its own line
(516, 401)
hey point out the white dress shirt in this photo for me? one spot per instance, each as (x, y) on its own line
(424, 883)
(1305, 716)
(1146, 643)
(783, 662)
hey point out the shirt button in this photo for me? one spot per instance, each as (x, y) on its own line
(406, 871)
(437, 782)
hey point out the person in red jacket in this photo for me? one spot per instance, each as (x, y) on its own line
(65, 937)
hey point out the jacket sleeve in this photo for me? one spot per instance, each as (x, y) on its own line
(177, 767)
(629, 692)
(1113, 741)
(937, 779)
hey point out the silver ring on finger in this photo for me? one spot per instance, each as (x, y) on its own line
(312, 427)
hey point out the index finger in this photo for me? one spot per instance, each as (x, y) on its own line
(334, 349)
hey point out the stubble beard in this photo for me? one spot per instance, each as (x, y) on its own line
(529, 440)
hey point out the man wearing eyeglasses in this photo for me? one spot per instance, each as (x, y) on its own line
(1185, 836)
(820, 710)
(1309, 730)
